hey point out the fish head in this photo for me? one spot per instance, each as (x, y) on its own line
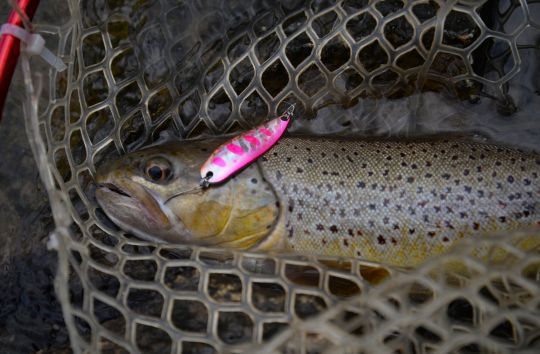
(155, 194)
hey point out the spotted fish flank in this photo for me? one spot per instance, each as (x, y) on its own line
(397, 202)
(242, 150)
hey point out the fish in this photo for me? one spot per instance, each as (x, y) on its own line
(394, 201)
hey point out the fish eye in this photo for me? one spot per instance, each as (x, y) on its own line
(158, 169)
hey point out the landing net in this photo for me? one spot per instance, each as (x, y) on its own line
(138, 68)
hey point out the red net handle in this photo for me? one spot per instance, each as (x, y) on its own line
(10, 48)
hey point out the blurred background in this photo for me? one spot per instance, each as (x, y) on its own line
(30, 316)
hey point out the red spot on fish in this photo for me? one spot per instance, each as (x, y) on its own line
(235, 149)
(266, 131)
(218, 161)
(252, 140)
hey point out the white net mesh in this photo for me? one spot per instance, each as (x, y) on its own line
(138, 68)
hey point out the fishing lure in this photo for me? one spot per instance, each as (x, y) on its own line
(243, 149)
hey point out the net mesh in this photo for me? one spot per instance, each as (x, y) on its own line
(139, 68)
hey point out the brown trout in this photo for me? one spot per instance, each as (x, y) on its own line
(396, 202)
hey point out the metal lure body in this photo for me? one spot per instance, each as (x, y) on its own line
(240, 151)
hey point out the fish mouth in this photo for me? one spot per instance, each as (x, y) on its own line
(131, 201)
(114, 188)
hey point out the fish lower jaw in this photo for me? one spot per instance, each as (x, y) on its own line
(173, 235)
(126, 227)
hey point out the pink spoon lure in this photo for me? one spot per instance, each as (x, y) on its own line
(240, 151)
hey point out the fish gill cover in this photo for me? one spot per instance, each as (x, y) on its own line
(364, 68)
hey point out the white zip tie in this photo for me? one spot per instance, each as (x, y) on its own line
(35, 45)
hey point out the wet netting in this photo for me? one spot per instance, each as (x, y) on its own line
(139, 68)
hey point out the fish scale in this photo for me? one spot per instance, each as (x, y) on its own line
(396, 201)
